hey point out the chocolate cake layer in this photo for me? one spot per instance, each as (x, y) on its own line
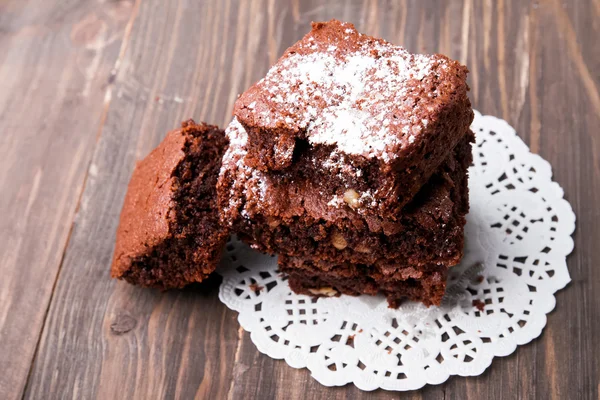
(330, 279)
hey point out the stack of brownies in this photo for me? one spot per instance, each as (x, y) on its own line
(349, 161)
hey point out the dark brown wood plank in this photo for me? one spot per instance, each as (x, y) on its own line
(569, 138)
(55, 59)
(107, 339)
(533, 63)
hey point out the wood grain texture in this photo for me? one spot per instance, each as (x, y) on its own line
(107, 339)
(55, 58)
(533, 63)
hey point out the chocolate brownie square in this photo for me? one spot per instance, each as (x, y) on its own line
(375, 119)
(324, 279)
(169, 234)
(279, 215)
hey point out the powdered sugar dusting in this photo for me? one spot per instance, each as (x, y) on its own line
(238, 137)
(362, 101)
(335, 164)
(234, 171)
(336, 201)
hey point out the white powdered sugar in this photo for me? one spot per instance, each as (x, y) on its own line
(335, 164)
(367, 199)
(233, 165)
(361, 101)
(336, 201)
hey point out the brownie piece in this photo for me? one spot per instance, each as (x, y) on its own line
(281, 216)
(325, 279)
(374, 118)
(169, 234)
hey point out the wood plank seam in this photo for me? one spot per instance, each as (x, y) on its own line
(41, 330)
(108, 97)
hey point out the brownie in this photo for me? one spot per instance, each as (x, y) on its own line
(292, 217)
(323, 279)
(169, 233)
(373, 118)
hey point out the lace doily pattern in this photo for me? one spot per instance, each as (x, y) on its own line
(518, 235)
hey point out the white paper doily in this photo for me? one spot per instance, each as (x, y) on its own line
(518, 235)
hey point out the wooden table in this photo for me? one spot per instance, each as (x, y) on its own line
(90, 86)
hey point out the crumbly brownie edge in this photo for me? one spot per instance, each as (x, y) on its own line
(189, 250)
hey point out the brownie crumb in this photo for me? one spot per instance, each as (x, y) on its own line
(478, 304)
(255, 287)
